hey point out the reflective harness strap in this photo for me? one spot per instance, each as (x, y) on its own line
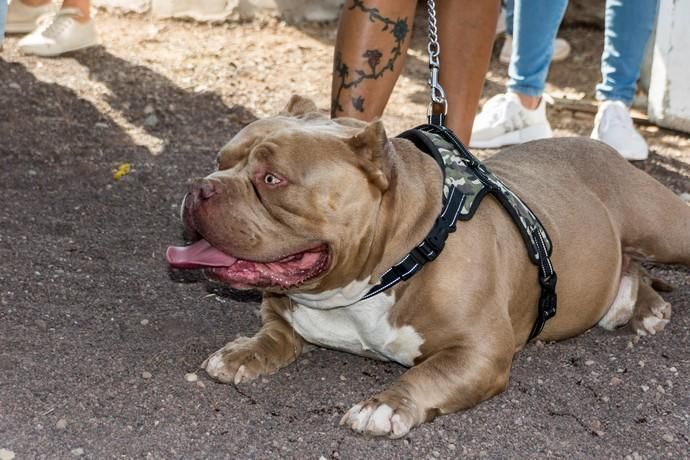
(466, 183)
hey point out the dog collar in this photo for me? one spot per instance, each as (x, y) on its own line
(465, 182)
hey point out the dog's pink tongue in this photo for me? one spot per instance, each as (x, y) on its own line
(199, 254)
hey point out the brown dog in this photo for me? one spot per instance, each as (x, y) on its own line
(312, 211)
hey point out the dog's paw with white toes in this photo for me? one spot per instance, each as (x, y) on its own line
(374, 418)
(655, 321)
(236, 362)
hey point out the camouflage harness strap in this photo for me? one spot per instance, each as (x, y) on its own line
(466, 182)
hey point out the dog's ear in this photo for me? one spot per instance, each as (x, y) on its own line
(373, 148)
(299, 105)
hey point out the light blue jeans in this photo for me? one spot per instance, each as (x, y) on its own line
(3, 18)
(508, 9)
(628, 26)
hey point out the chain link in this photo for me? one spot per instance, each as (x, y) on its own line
(438, 95)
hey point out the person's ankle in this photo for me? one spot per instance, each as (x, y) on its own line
(529, 102)
(83, 16)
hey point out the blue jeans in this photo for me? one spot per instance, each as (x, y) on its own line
(3, 18)
(629, 24)
(509, 9)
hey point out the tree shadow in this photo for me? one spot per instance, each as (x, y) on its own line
(183, 120)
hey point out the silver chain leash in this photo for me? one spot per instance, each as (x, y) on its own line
(438, 95)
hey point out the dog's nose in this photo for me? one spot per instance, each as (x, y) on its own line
(202, 189)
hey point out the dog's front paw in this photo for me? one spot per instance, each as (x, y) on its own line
(382, 416)
(241, 360)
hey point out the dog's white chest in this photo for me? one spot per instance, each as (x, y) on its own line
(362, 328)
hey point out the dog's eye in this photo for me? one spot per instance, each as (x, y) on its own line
(270, 179)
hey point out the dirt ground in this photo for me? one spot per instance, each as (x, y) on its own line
(96, 334)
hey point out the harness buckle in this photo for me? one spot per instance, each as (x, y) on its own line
(426, 251)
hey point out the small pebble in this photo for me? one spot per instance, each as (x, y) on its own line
(668, 437)
(144, 322)
(589, 362)
(673, 369)
(343, 378)
(61, 424)
(200, 384)
(149, 109)
(633, 456)
(146, 375)
(191, 377)
(151, 120)
(78, 452)
(6, 454)
(615, 381)
(645, 388)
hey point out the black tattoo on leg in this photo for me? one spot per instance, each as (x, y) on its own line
(398, 28)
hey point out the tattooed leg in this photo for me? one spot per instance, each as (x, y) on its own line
(365, 72)
(373, 37)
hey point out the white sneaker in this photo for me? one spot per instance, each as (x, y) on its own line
(504, 121)
(60, 34)
(22, 19)
(613, 125)
(561, 50)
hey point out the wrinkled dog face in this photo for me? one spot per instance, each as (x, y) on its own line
(284, 210)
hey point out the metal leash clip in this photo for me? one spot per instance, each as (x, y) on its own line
(438, 95)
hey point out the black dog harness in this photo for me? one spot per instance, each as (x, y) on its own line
(466, 182)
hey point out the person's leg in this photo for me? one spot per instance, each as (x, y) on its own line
(373, 37)
(629, 24)
(3, 15)
(509, 9)
(82, 5)
(364, 77)
(536, 24)
(520, 115)
(466, 32)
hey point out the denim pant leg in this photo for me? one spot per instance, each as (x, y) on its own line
(509, 9)
(536, 25)
(629, 24)
(3, 18)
